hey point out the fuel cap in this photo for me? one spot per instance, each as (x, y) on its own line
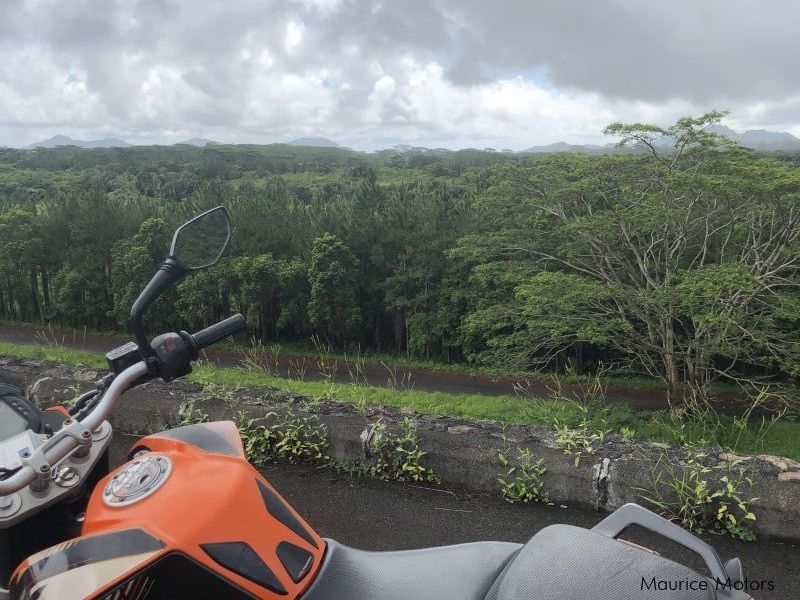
(137, 480)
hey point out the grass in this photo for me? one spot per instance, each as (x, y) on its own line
(54, 353)
(308, 350)
(782, 438)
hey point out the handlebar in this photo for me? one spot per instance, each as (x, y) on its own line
(218, 331)
(75, 433)
(67, 439)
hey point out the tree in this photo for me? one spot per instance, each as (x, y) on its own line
(134, 263)
(683, 260)
(21, 253)
(332, 308)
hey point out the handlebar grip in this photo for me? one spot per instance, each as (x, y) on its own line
(219, 331)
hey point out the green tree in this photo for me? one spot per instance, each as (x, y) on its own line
(21, 255)
(332, 308)
(134, 262)
(682, 260)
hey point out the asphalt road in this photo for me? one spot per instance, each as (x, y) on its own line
(376, 515)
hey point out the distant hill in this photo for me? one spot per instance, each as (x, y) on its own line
(200, 142)
(314, 141)
(63, 140)
(577, 148)
(757, 139)
(760, 139)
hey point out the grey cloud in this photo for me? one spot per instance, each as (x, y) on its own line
(703, 51)
(733, 53)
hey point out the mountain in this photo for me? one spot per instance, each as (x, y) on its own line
(197, 142)
(313, 141)
(577, 148)
(760, 139)
(757, 139)
(63, 140)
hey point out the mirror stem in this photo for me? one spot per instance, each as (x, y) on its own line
(168, 274)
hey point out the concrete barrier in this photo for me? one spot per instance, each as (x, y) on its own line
(463, 453)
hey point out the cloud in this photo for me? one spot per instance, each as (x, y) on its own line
(369, 73)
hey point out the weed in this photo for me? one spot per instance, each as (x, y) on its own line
(288, 436)
(48, 338)
(760, 434)
(697, 421)
(327, 364)
(701, 497)
(522, 476)
(297, 369)
(397, 457)
(259, 357)
(258, 440)
(589, 402)
(355, 369)
(578, 442)
(189, 414)
(395, 382)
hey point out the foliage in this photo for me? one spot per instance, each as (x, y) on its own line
(703, 498)
(578, 442)
(397, 456)
(778, 437)
(332, 308)
(189, 414)
(679, 260)
(284, 435)
(675, 257)
(522, 477)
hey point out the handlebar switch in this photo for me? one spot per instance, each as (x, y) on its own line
(123, 357)
(175, 353)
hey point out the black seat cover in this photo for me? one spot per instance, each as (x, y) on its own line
(463, 572)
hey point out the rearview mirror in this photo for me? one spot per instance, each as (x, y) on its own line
(199, 243)
(196, 244)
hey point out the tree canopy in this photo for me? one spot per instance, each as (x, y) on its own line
(677, 258)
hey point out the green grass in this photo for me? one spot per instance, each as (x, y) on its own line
(782, 439)
(54, 353)
(307, 351)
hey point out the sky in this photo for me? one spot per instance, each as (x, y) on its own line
(372, 74)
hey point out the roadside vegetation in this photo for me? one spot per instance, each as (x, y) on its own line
(577, 419)
(674, 258)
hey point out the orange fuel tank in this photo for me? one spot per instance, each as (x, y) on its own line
(187, 517)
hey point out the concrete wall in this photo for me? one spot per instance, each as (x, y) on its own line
(462, 453)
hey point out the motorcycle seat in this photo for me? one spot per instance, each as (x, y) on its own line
(461, 572)
(563, 562)
(560, 562)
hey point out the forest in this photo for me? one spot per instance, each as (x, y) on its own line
(678, 258)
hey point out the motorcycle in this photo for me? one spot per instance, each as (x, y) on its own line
(188, 517)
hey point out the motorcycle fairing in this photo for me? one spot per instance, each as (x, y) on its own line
(78, 567)
(217, 437)
(217, 530)
(174, 576)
